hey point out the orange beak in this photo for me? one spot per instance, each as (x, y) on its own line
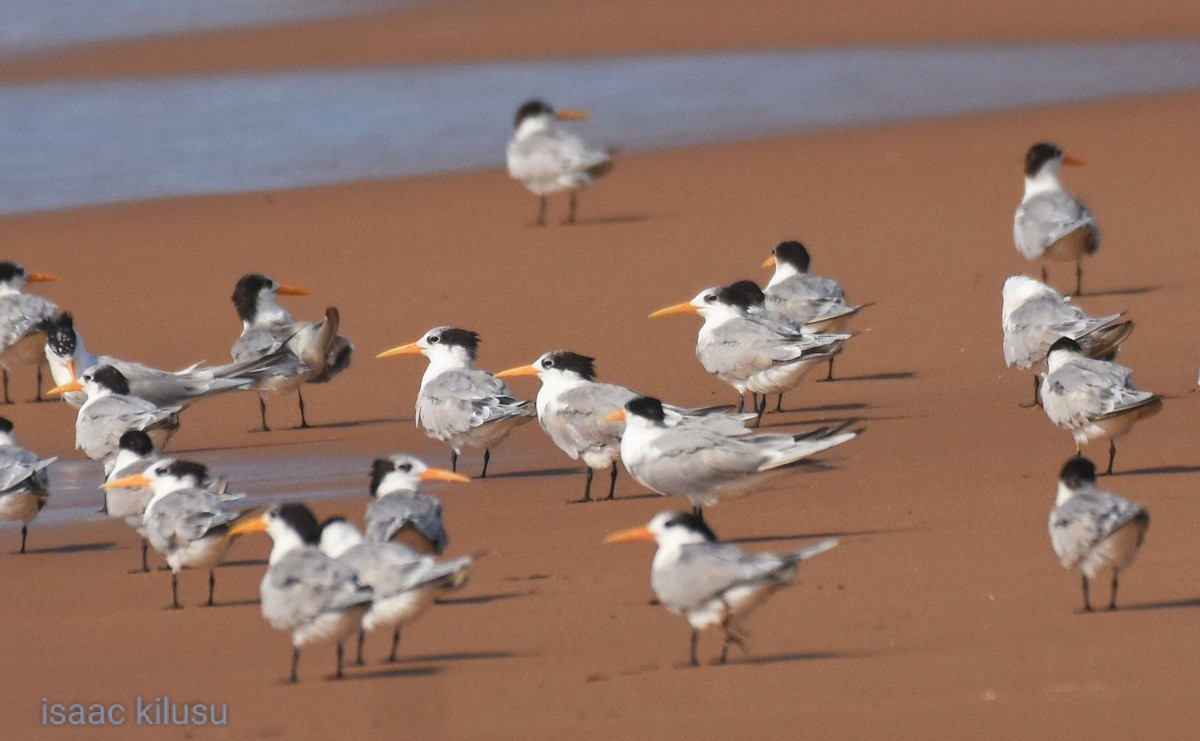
(41, 278)
(248, 525)
(626, 536)
(1069, 160)
(684, 308)
(617, 416)
(411, 348)
(286, 290)
(441, 474)
(127, 482)
(769, 262)
(71, 368)
(74, 385)
(520, 370)
(572, 114)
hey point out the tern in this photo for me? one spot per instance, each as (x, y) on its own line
(189, 524)
(1050, 223)
(710, 582)
(548, 159)
(573, 409)
(304, 592)
(457, 404)
(21, 315)
(404, 582)
(1092, 530)
(399, 511)
(1034, 316)
(24, 483)
(317, 352)
(750, 348)
(816, 303)
(110, 411)
(1092, 399)
(706, 465)
(135, 453)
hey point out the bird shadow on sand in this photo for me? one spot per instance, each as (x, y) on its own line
(235, 603)
(1130, 291)
(629, 218)
(805, 536)
(783, 658)
(349, 424)
(893, 376)
(536, 473)
(1164, 605)
(241, 563)
(458, 656)
(75, 548)
(394, 671)
(848, 407)
(1156, 470)
(484, 599)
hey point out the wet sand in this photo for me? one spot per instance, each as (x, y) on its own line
(943, 614)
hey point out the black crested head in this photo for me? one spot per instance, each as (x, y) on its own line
(1077, 472)
(5, 426)
(110, 378)
(136, 442)
(744, 294)
(1038, 155)
(453, 336)
(1065, 343)
(692, 522)
(648, 407)
(529, 108)
(793, 253)
(60, 335)
(569, 361)
(10, 270)
(245, 294)
(183, 469)
(300, 518)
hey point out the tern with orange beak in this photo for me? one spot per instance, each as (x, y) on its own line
(400, 511)
(313, 351)
(22, 338)
(709, 582)
(1051, 224)
(457, 404)
(548, 159)
(24, 483)
(308, 594)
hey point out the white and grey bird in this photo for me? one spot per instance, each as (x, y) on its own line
(1051, 224)
(186, 522)
(816, 303)
(457, 404)
(705, 465)
(311, 596)
(110, 411)
(1092, 399)
(548, 159)
(404, 583)
(710, 582)
(1034, 316)
(21, 315)
(313, 352)
(399, 511)
(573, 409)
(24, 481)
(135, 453)
(1095, 531)
(750, 348)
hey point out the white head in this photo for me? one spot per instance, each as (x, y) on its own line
(401, 474)
(1020, 288)
(338, 536)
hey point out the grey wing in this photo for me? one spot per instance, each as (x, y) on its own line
(186, 515)
(307, 583)
(391, 569)
(1044, 219)
(459, 400)
(1085, 520)
(738, 349)
(806, 298)
(554, 157)
(388, 514)
(256, 342)
(20, 313)
(704, 571)
(687, 460)
(1086, 390)
(1034, 326)
(18, 465)
(581, 420)
(99, 426)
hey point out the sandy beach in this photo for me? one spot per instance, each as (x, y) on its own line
(944, 613)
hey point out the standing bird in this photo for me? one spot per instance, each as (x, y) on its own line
(1092, 530)
(461, 406)
(135, 453)
(110, 411)
(313, 351)
(709, 582)
(750, 348)
(1035, 315)
(400, 511)
(186, 522)
(1092, 398)
(1051, 223)
(547, 159)
(815, 303)
(573, 409)
(404, 583)
(24, 484)
(21, 315)
(706, 465)
(312, 596)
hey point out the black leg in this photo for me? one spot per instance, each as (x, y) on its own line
(760, 410)
(454, 460)
(741, 403)
(24, 532)
(1087, 604)
(340, 658)
(612, 482)
(695, 645)
(145, 563)
(1112, 602)
(262, 411)
(829, 375)
(779, 404)
(1112, 455)
(698, 511)
(295, 665)
(6, 399)
(358, 655)
(587, 487)
(487, 456)
(303, 420)
(1079, 277)
(212, 586)
(541, 219)
(395, 644)
(175, 591)
(1043, 273)
(38, 396)
(571, 210)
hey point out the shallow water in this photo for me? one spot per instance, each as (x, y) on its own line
(72, 144)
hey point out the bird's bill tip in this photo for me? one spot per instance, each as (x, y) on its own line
(573, 114)
(127, 482)
(41, 278)
(286, 290)
(73, 385)
(1073, 160)
(248, 525)
(410, 349)
(520, 370)
(685, 308)
(629, 535)
(769, 262)
(441, 474)
(617, 416)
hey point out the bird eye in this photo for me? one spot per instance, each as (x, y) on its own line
(434, 339)
(547, 363)
(710, 298)
(405, 467)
